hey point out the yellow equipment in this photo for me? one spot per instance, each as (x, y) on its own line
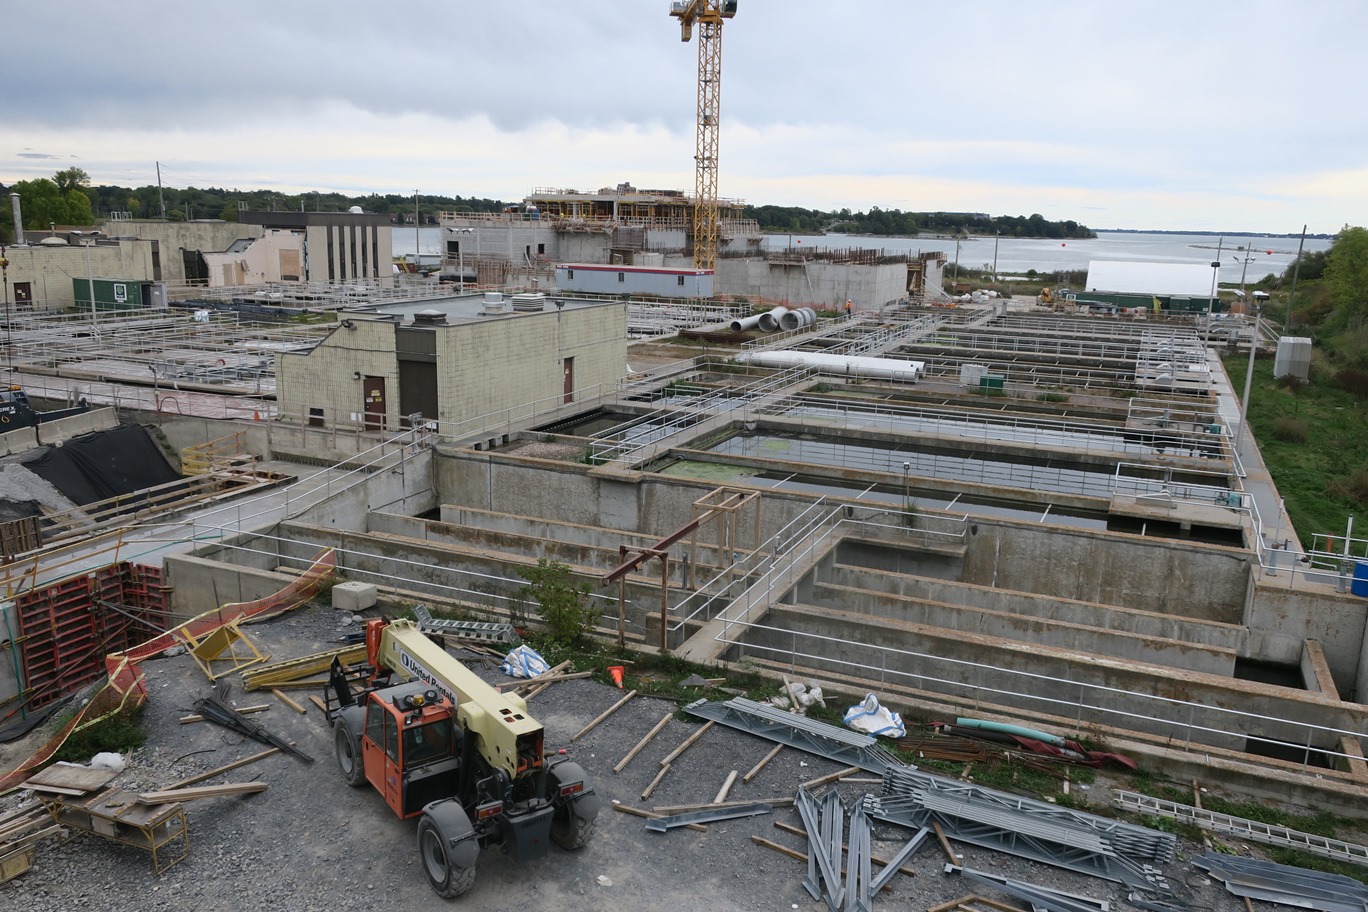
(708, 15)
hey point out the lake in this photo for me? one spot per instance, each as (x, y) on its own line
(1017, 255)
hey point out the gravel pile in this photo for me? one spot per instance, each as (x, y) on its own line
(311, 843)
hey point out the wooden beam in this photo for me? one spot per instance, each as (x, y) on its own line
(665, 720)
(287, 701)
(755, 770)
(793, 853)
(688, 742)
(945, 843)
(664, 768)
(651, 815)
(603, 715)
(831, 777)
(209, 774)
(167, 796)
(196, 717)
(317, 701)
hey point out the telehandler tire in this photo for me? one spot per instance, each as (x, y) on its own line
(348, 756)
(570, 831)
(447, 879)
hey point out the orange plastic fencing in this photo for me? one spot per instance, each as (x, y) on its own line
(127, 688)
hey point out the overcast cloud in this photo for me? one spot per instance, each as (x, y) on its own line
(1208, 115)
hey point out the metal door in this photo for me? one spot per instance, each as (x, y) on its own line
(569, 387)
(373, 388)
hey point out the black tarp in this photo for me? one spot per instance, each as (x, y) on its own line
(10, 510)
(104, 464)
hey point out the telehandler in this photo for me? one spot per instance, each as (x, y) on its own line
(466, 760)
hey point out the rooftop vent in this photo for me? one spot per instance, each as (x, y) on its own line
(429, 318)
(529, 303)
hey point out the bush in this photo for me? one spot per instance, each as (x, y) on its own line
(1354, 381)
(562, 604)
(1291, 430)
(119, 734)
(1355, 487)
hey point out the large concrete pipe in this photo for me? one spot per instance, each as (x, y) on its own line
(769, 322)
(800, 318)
(745, 324)
(18, 219)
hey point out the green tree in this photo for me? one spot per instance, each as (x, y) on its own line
(1346, 274)
(562, 604)
(71, 179)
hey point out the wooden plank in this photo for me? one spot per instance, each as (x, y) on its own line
(317, 701)
(603, 715)
(945, 843)
(665, 768)
(650, 735)
(70, 779)
(755, 770)
(669, 810)
(831, 777)
(209, 774)
(725, 789)
(287, 701)
(167, 796)
(651, 815)
(543, 686)
(688, 742)
(256, 708)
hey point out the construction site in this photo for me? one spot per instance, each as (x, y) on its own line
(1054, 526)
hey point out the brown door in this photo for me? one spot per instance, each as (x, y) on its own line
(569, 389)
(373, 388)
(23, 294)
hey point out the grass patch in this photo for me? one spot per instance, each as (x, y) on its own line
(1314, 440)
(119, 734)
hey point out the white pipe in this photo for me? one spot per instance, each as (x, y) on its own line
(850, 365)
(746, 323)
(769, 322)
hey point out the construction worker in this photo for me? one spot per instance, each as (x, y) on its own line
(847, 308)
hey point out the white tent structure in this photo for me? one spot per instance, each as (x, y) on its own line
(1121, 277)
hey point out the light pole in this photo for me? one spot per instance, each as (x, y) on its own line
(1211, 301)
(460, 258)
(4, 271)
(87, 243)
(417, 260)
(907, 467)
(1249, 376)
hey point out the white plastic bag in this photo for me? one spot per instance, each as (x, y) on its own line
(524, 662)
(872, 717)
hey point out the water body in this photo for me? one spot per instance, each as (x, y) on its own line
(1017, 254)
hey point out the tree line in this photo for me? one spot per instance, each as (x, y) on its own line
(896, 223)
(69, 198)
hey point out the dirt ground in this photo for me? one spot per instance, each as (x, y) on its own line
(309, 842)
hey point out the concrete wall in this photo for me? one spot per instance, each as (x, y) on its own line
(1149, 574)
(1202, 634)
(1046, 679)
(175, 237)
(51, 432)
(49, 270)
(1281, 620)
(343, 250)
(279, 256)
(825, 286)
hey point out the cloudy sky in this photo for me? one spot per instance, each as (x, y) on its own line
(1203, 114)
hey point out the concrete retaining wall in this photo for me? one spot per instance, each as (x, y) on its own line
(1280, 620)
(1047, 678)
(1018, 628)
(1201, 634)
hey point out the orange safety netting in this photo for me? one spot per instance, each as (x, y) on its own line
(126, 686)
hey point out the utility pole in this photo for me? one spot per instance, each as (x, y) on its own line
(1296, 268)
(1211, 301)
(415, 231)
(160, 197)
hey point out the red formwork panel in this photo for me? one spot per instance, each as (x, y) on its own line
(68, 628)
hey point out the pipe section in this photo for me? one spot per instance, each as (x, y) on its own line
(746, 323)
(769, 322)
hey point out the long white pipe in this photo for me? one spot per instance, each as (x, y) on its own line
(746, 323)
(849, 365)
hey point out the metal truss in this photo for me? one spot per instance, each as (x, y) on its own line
(838, 744)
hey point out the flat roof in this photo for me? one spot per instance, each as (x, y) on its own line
(468, 308)
(1124, 277)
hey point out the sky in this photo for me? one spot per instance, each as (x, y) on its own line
(1199, 115)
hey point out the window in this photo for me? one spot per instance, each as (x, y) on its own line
(679, 280)
(569, 273)
(541, 249)
(375, 723)
(622, 276)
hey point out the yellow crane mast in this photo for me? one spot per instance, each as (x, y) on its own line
(708, 15)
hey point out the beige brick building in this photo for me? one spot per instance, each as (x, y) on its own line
(453, 363)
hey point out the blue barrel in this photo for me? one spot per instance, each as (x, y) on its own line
(1360, 584)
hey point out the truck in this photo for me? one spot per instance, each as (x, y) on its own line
(445, 747)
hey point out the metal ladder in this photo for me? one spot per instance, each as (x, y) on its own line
(469, 630)
(1243, 828)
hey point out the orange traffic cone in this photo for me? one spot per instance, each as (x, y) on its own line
(616, 671)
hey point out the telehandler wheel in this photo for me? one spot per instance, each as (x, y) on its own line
(570, 831)
(348, 756)
(447, 880)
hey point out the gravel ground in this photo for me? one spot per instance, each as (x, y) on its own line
(311, 843)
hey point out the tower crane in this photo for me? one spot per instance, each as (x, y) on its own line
(708, 15)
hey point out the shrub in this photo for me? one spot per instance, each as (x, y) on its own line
(1353, 380)
(120, 733)
(1355, 487)
(562, 604)
(1290, 430)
